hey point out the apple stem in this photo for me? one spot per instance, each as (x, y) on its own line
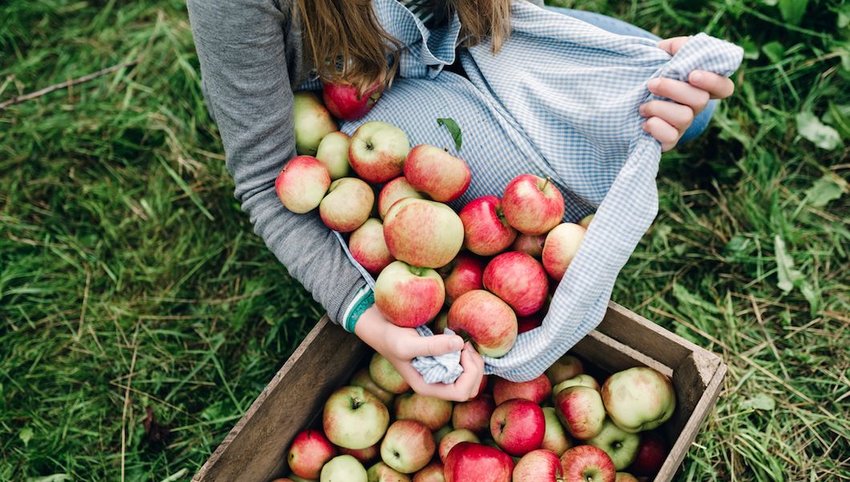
(417, 270)
(545, 183)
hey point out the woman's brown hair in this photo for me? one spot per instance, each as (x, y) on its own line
(347, 44)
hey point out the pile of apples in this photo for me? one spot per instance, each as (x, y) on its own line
(490, 267)
(559, 427)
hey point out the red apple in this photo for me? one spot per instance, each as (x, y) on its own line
(362, 379)
(638, 399)
(625, 477)
(333, 153)
(530, 322)
(620, 445)
(586, 463)
(432, 472)
(539, 465)
(393, 191)
(310, 450)
(354, 418)
(441, 322)
(583, 380)
(423, 233)
(408, 446)
(530, 245)
(378, 151)
(488, 320)
(384, 374)
(302, 184)
(651, 454)
(311, 122)
(471, 462)
(564, 368)
(518, 426)
(346, 102)
(407, 295)
(381, 472)
(519, 280)
(581, 411)
(368, 247)
(532, 205)
(474, 414)
(430, 411)
(561, 246)
(365, 456)
(485, 230)
(347, 204)
(440, 175)
(555, 438)
(466, 274)
(537, 390)
(453, 438)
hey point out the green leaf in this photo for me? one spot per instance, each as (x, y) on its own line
(774, 51)
(686, 297)
(839, 117)
(453, 129)
(793, 10)
(761, 401)
(820, 134)
(788, 276)
(828, 188)
(25, 435)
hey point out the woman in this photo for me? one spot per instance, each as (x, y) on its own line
(255, 53)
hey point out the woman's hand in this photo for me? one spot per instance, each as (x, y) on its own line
(401, 345)
(668, 120)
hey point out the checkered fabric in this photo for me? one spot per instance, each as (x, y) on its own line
(560, 100)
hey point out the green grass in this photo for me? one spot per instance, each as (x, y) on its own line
(130, 280)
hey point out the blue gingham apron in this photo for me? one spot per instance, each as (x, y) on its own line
(561, 100)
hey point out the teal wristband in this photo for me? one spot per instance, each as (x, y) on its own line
(361, 304)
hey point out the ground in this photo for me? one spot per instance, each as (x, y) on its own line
(139, 315)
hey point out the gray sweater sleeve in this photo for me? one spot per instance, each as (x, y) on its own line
(245, 74)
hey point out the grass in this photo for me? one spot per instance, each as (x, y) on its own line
(139, 315)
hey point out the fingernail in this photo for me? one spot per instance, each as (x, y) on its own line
(642, 110)
(696, 76)
(457, 344)
(645, 127)
(653, 83)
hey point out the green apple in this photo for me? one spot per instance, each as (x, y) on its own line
(343, 468)
(620, 445)
(582, 380)
(333, 153)
(312, 122)
(638, 399)
(382, 472)
(354, 418)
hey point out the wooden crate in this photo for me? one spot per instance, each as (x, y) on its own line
(255, 450)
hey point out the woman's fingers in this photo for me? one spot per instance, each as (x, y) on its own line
(717, 86)
(677, 115)
(666, 134)
(464, 388)
(415, 345)
(680, 92)
(672, 45)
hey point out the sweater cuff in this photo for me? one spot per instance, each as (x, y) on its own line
(363, 299)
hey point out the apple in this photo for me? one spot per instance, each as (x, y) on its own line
(651, 454)
(530, 245)
(453, 438)
(474, 414)
(368, 247)
(581, 411)
(518, 426)
(430, 411)
(295, 478)
(620, 445)
(625, 477)
(441, 322)
(302, 184)
(384, 374)
(537, 390)
(466, 273)
(393, 191)
(530, 322)
(354, 418)
(564, 368)
(378, 151)
(539, 465)
(485, 230)
(471, 462)
(310, 450)
(583, 380)
(432, 472)
(560, 248)
(485, 318)
(408, 446)
(343, 468)
(362, 379)
(423, 233)
(409, 296)
(333, 153)
(585, 221)
(532, 205)
(638, 399)
(312, 122)
(440, 175)
(365, 456)
(519, 280)
(441, 432)
(554, 437)
(586, 463)
(381, 472)
(347, 102)
(347, 204)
